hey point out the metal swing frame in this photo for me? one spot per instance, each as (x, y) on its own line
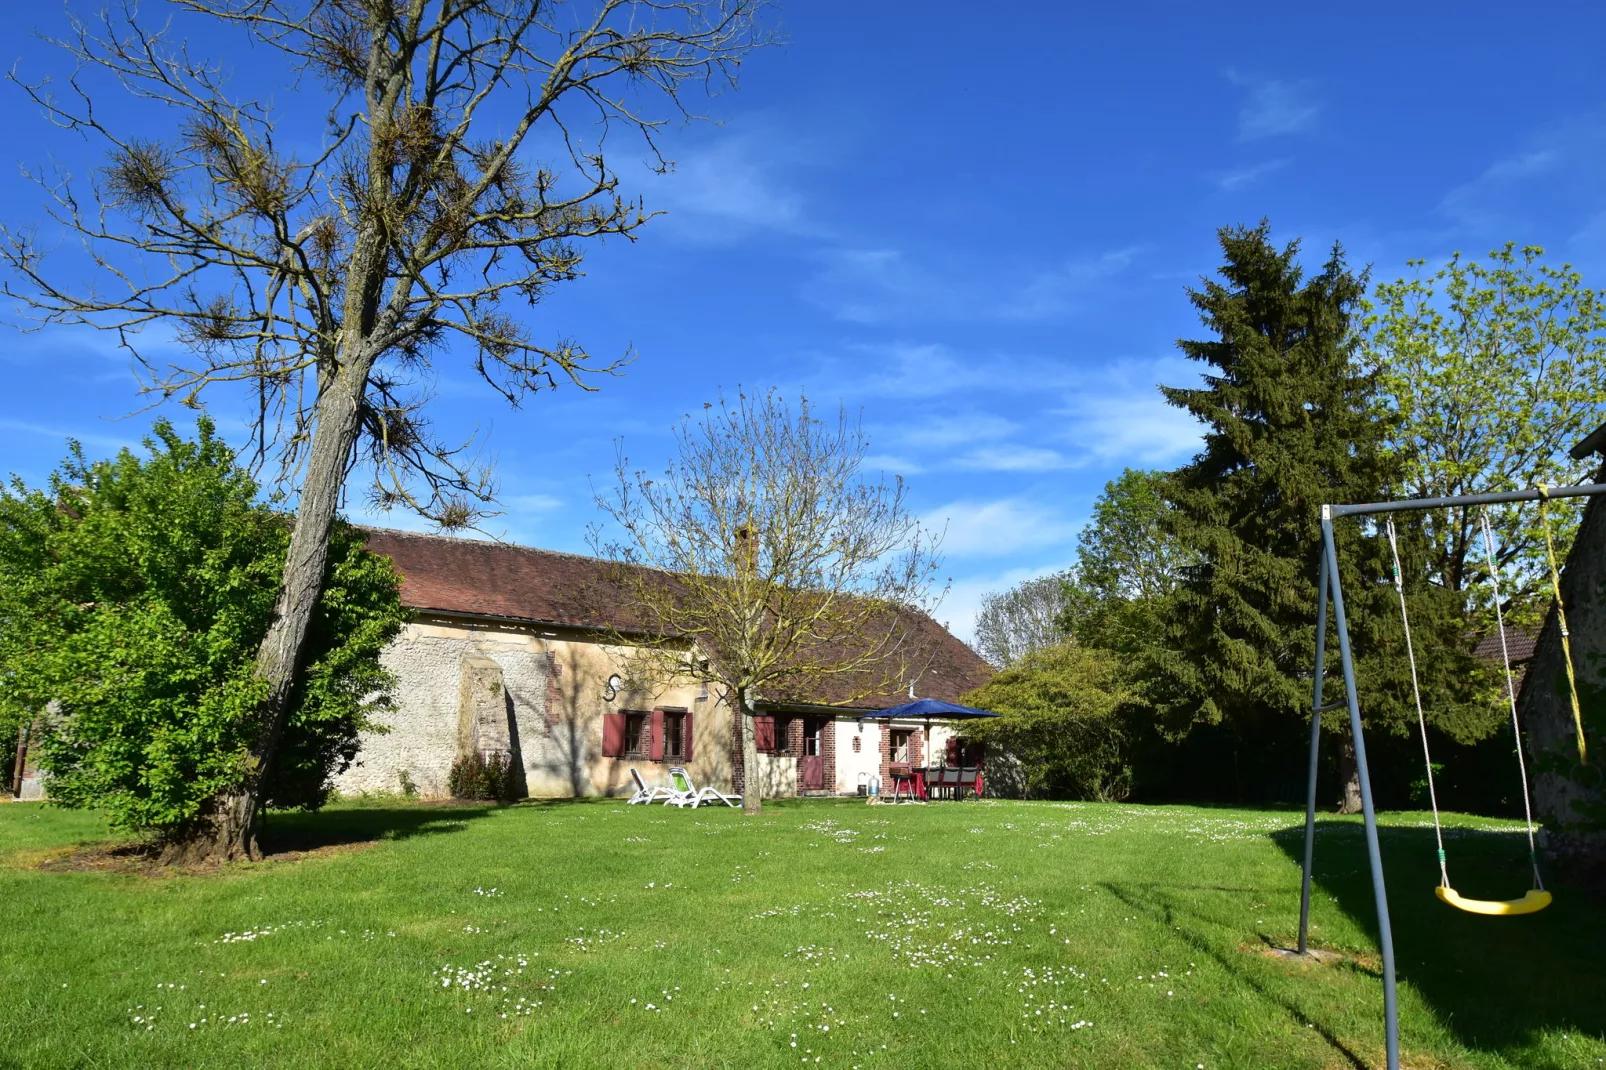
(1329, 587)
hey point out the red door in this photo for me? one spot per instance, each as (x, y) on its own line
(810, 764)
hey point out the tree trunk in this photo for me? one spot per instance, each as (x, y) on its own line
(1350, 772)
(227, 830)
(1570, 797)
(752, 790)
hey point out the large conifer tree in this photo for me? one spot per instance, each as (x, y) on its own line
(1292, 422)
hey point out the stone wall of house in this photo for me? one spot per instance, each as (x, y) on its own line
(553, 700)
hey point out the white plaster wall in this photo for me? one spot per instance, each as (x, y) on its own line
(867, 761)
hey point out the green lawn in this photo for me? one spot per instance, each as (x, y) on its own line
(827, 933)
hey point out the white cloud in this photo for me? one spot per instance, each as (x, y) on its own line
(1014, 458)
(1274, 107)
(727, 189)
(1123, 418)
(880, 285)
(1238, 178)
(997, 528)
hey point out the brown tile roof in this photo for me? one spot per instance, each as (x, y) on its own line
(1520, 645)
(472, 576)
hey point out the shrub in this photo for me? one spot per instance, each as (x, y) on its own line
(484, 776)
(1062, 730)
(136, 591)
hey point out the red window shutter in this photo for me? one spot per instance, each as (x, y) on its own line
(952, 752)
(764, 734)
(685, 736)
(613, 735)
(655, 748)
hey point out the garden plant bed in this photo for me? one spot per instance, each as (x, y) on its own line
(597, 934)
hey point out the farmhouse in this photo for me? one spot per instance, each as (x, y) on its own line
(519, 651)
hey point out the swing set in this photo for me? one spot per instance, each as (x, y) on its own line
(1536, 898)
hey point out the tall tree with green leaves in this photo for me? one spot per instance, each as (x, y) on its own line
(134, 593)
(1128, 564)
(1494, 370)
(1292, 423)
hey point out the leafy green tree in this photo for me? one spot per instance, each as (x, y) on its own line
(1494, 370)
(1128, 564)
(1292, 422)
(1062, 729)
(135, 592)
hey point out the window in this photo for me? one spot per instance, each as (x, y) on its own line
(636, 735)
(900, 745)
(674, 737)
(783, 735)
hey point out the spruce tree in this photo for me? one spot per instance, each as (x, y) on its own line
(1292, 422)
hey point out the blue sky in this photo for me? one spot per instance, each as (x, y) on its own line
(974, 225)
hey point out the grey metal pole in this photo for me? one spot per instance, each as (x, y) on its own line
(1315, 749)
(1385, 935)
(1578, 491)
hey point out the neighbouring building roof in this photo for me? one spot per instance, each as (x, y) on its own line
(1519, 645)
(451, 575)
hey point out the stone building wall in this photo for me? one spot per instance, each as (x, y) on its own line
(553, 697)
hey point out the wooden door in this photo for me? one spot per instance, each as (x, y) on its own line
(811, 764)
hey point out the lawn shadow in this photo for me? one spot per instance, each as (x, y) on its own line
(1166, 903)
(294, 831)
(1495, 982)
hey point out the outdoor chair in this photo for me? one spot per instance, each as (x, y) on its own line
(970, 777)
(950, 781)
(647, 793)
(687, 793)
(934, 783)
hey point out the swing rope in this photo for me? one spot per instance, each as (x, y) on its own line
(1416, 693)
(1561, 619)
(1511, 691)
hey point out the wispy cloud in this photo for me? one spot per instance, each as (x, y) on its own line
(1122, 418)
(1273, 107)
(998, 528)
(88, 438)
(886, 285)
(728, 189)
(1013, 458)
(1237, 178)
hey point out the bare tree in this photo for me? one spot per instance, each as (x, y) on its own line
(462, 167)
(761, 561)
(1027, 617)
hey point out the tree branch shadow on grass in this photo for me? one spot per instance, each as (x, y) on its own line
(1495, 982)
(1162, 902)
(292, 831)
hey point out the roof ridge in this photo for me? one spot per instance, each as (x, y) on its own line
(502, 544)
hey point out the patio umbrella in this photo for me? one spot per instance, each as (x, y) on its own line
(928, 708)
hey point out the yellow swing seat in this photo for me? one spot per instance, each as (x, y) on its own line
(1536, 900)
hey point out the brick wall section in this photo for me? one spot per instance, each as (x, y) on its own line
(886, 755)
(828, 754)
(917, 747)
(554, 700)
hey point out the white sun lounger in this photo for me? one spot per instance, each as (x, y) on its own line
(687, 793)
(645, 793)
